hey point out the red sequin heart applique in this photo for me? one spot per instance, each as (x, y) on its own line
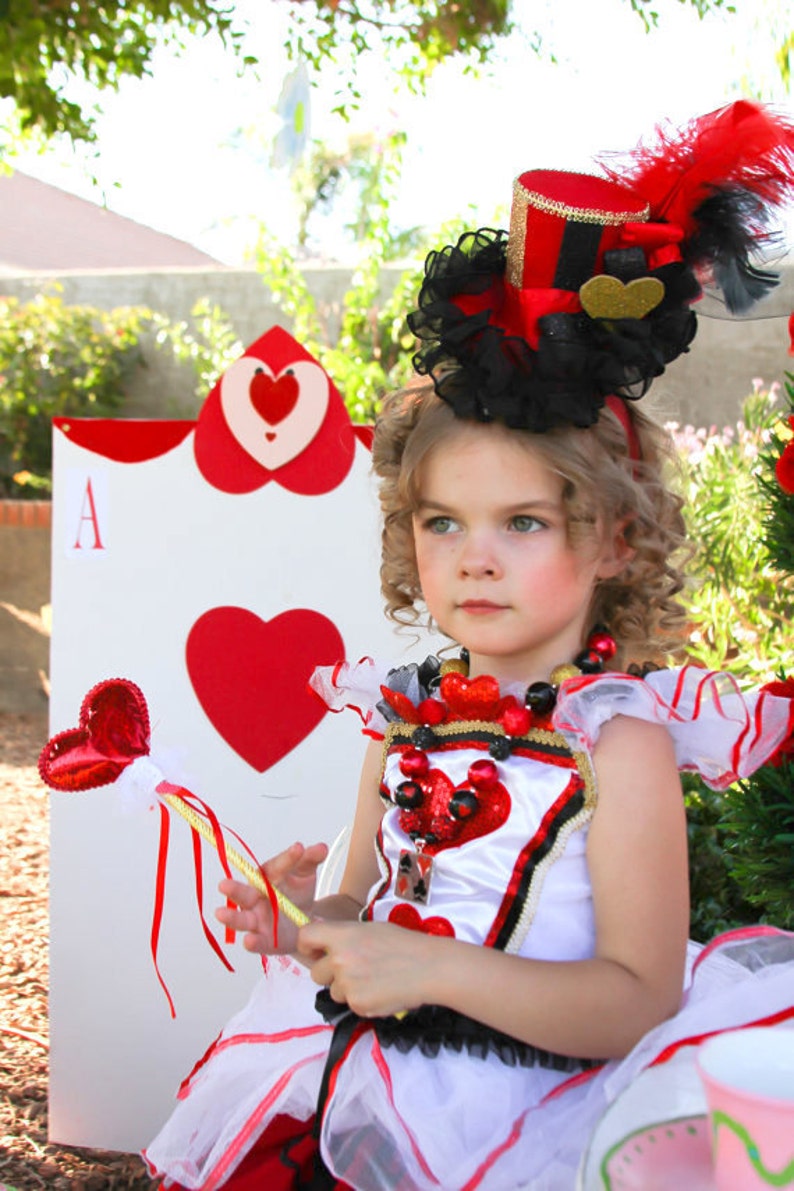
(113, 730)
(407, 916)
(471, 698)
(441, 821)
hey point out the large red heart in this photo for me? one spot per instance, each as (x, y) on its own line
(432, 816)
(273, 399)
(113, 730)
(250, 677)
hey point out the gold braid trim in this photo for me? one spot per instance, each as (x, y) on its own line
(532, 198)
(463, 727)
(517, 233)
(251, 873)
(527, 916)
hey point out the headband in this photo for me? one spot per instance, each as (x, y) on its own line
(590, 291)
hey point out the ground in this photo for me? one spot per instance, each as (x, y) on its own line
(27, 1160)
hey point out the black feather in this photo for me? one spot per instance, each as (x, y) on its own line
(731, 224)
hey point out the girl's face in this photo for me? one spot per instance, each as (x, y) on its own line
(496, 569)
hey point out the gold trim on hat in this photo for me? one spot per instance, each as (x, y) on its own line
(523, 199)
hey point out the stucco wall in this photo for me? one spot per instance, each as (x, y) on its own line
(704, 387)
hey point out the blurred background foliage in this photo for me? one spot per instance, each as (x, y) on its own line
(75, 361)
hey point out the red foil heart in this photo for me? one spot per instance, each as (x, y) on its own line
(113, 730)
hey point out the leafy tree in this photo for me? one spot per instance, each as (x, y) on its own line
(45, 42)
(101, 43)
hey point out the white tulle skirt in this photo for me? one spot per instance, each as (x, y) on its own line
(402, 1120)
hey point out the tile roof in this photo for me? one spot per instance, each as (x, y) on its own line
(45, 228)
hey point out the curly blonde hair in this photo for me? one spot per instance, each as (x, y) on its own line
(603, 490)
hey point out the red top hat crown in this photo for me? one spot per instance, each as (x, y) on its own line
(590, 292)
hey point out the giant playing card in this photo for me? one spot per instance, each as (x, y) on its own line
(214, 564)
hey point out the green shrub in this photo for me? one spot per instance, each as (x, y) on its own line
(716, 901)
(56, 360)
(207, 344)
(741, 604)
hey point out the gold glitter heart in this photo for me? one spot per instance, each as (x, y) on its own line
(608, 297)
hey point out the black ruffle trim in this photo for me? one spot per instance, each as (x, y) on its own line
(433, 1027)
(487, 375)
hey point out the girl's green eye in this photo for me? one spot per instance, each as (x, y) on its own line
(440, 524)
(523, 523)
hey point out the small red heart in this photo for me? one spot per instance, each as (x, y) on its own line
(409, 917)
(471, 698)
(273, 399)
(113, 730)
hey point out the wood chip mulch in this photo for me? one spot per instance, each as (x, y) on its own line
(27, 1160)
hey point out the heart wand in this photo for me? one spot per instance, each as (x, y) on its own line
(111, 743)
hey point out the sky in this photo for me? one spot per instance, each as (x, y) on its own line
(189, 150)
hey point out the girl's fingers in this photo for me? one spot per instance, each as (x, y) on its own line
(240, 892)
(296, 861)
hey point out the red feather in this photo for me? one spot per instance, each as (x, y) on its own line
(742, 146)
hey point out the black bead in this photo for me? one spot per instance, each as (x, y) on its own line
(500, 748)
(463, 804)
(423, 737)
(589, 662)
(540, 698)
(464, 655)
(408, 795)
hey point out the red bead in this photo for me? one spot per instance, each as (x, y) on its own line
(414, 763)
(516, 721)
(483, 774)
(603, 644)
(431, 711)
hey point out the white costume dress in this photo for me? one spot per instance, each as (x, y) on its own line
(435, 1101)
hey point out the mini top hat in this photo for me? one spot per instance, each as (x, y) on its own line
(590, 292)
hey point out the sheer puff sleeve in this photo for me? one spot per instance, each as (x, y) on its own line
(718, 731)
(354, 685)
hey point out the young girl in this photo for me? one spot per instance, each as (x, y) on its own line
(512, 919)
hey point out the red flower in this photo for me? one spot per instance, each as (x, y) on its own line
(785, 750)
(784, 469)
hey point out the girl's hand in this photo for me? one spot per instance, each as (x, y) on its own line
(294, 872)
(376, 968)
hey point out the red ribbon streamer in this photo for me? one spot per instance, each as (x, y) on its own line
(159, 897)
